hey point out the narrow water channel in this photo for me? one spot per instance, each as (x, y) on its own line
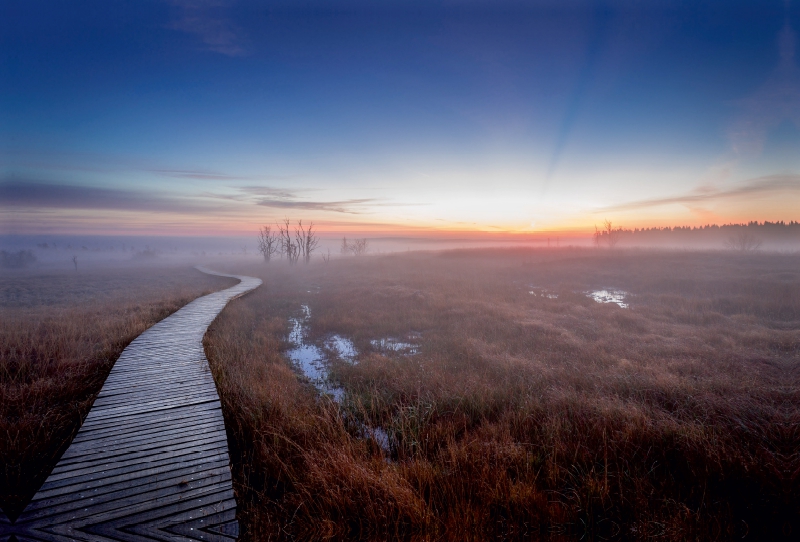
(314, 364)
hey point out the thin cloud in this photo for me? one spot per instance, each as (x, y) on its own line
(270, 192)
(16, 192)
(219, 176)
(757, 186)
(349, 206)
(281, 198)
(195, 174)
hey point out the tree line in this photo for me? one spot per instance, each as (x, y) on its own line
(745, 237)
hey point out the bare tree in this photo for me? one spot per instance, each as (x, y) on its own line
(268, 242)
(75, 261)
(359, 246)
(293, 253)
(288, 247)
(597, 237)
(744, 242)
(327, 257)
(612, 235)
(306, 240)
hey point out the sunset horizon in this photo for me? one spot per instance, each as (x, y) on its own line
(214, 118)
(399, 270)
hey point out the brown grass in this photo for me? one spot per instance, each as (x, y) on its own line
(59, 337)
(523, 416)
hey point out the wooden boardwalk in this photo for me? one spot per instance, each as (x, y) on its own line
(150, 461)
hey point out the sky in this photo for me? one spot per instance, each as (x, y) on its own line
(459, 117)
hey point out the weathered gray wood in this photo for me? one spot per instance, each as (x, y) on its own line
(155, 487)
(142, 462)
(150, 461)
(155, 417)
(125, 479)
(151, 450)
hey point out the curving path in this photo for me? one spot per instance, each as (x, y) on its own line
(150, 461)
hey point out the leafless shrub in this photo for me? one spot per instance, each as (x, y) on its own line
(608, 235)
(357, 247)
(744, 242)
(327, 257)
(268, 242)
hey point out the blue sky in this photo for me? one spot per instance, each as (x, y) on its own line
(213, 116)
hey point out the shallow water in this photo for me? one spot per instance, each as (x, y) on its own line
(390, 344)
(313, 362)
(378, 435)
(543, 292)
(310, 358)
(610, 296)
(343, 347)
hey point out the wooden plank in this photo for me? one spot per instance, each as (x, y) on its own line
(150, 488)
(200, 475)
(122, 412)
(102, 461)
(74, 457)
(108, 483)
(189, 439)
(151, 460)
(133, 435)
(151, 418)
(137, 426)
(113, 468)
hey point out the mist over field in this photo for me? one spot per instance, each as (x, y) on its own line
(401, 270)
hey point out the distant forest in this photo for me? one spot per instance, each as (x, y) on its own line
(753, 235)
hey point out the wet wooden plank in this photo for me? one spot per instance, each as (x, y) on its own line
(151, 459)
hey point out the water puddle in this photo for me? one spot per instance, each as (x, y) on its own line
(344, 348)
(397, 346)
(610, 296)
(313, 362)
(311, 359)
(542, 292)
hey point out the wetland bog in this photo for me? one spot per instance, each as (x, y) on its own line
(517, 416)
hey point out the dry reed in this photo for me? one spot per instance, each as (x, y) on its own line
(522, 416)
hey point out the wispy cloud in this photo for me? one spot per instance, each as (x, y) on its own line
(282, 198)
(31, 194)
(270, 192)
(348, 206)
(752, 187)
(18, 192)
(206, 20)
(196, 174)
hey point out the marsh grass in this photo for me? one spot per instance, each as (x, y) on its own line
(522, 416)
(59, 338)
